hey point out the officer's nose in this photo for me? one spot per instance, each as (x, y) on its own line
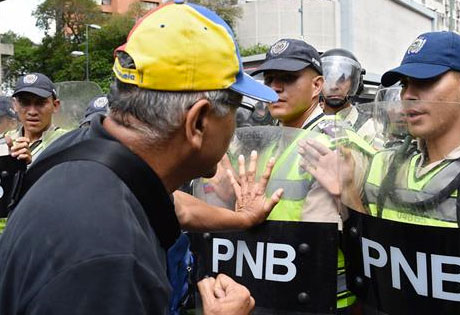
(277, 85)
(32, 110)
(409, 93)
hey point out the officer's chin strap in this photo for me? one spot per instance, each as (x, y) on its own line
(388, 182)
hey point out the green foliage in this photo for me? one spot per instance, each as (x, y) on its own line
(226, 9)
(52, 57)
(23, 60)
(69, 17)
(254, 50)
(103, 43)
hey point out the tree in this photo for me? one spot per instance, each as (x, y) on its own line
(136, 10)
(22, 61)
(69, 17)
(103, 43)
(228, 10)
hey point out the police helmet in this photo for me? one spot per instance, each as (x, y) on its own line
(343, 77)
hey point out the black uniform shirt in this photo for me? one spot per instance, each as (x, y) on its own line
(79, 242)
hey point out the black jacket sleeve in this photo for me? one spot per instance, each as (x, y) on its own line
(115, 284)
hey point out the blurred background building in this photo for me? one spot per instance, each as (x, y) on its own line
(377, 31)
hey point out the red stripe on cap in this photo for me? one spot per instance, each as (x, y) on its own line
(122, 47)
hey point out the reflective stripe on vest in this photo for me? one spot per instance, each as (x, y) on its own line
(416, 190)
(295, 182)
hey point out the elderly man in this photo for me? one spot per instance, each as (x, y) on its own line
(80, 241)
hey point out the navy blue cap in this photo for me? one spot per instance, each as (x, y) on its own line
(98, 104)
(429, 56)
(35, 83)
(6, 107)
(291, 55)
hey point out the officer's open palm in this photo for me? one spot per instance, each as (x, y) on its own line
(333, 169)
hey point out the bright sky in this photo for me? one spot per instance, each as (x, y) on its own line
(16, 15)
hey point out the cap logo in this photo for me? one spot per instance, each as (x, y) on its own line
(100, 102)
(279, 47)
(416, 46)
(316, 62)
(30, 79)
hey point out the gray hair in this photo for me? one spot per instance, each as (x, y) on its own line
(161, 112)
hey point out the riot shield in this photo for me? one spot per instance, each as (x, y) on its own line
(12, 171)
(75, 97)
(289, 267)
(402, 239)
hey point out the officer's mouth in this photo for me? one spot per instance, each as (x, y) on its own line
(33, 121)
(280, 102)
(412, 115)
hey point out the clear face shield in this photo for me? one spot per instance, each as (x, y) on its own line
(388, 94)
(401, 195)
(74, 97)
(253, 113)
(341, 78)
(394, 187)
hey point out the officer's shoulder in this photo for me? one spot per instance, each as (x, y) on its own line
(67, 139)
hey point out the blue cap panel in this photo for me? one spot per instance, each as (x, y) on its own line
(430, 55)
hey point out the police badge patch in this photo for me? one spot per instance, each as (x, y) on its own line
(279, 47)
(101, 102)
(30, 78)
(416, 46)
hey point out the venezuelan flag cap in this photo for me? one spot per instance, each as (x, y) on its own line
(185, 47)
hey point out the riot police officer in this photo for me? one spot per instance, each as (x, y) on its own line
(343, 81)
(430, 76)
(293, 69)
(415, 186)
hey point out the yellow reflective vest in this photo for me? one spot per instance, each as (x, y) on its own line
(296, 183)
(409, 189)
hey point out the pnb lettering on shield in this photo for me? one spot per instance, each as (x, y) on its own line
(265, 259)
(419, 276)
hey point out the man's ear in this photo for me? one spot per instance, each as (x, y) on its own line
(317, 84)
(15, 104)
(56, 105)
(196, 122)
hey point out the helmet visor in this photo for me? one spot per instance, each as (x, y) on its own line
(341, 77)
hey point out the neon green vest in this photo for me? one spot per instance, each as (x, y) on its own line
(409, 189)
(296, 185)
